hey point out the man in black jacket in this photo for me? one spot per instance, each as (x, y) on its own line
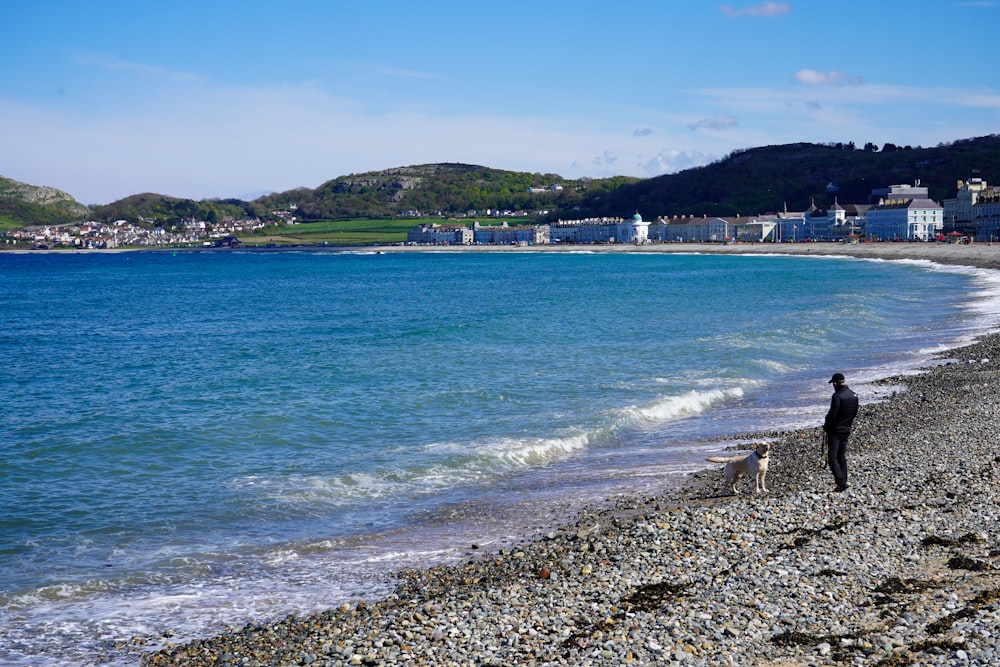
(843, 410)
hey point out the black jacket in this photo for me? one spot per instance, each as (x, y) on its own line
(843, 410)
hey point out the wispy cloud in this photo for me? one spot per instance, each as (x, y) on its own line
(669, 161)
(111, 62)
(605, 159)
(714, 124)
(811, 77)
(642, 132)
(763, 9)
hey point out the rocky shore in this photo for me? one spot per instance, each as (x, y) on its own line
(902, 569)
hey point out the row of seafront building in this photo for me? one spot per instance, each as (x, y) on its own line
(901, 212)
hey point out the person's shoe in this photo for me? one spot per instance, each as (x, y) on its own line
(840, 488)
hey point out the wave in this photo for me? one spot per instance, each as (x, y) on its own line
(441, 467)
(437, 467)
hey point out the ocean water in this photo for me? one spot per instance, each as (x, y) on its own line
(195, 440)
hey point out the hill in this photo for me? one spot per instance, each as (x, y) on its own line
(452, 188)
(746, 182)
(22, 205)
(168, 212)
(771, 178)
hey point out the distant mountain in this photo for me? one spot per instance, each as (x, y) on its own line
(38, 205)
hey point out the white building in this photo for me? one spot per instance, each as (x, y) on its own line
(958, 211)
(504, 234)
(902, 191)
(635, 230)
(435, 234)
(905, 220)
(689, 229)
(600, 230)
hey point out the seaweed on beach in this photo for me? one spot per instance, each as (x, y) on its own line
(963, 562)
(806, 535)
(897, 585)
(651, 597)
(936, 540)
(982, 599)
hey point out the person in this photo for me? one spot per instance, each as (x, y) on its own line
(837, 425)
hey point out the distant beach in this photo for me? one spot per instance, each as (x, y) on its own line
(982, 255)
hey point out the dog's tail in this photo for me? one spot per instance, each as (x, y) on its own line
(723, 459)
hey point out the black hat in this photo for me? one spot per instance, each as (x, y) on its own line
(837, 377)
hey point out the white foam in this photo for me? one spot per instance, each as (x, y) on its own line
(688, 403)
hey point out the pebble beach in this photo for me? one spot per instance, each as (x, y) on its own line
(901, 569)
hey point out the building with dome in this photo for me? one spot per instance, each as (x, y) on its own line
(600, 230)
(635, 230)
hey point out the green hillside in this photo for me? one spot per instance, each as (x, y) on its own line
(168, 212)
(22, 205)
(768, 179)
(450, 188)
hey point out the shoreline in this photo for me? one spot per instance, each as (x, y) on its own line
(980, 255)
(900, 569)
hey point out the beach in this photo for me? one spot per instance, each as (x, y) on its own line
(898, 570)
(982, 255)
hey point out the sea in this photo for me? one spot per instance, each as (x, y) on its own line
(193, 441)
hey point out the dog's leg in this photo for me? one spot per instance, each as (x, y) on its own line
(759, 481)
(732, 475)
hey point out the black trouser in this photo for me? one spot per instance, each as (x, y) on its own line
(837, 442)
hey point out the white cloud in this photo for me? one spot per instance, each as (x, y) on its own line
(715, 124)
(669, 161)
(979, 100)
(763, 9)
(605, 159)
(811, 77)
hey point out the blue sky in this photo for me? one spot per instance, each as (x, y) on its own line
(104, 99)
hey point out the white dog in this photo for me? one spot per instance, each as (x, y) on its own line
(752, 465)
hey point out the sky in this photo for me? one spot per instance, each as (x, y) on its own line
(216, 98)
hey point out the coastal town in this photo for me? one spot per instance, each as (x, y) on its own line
(899, 212)
(895, 213)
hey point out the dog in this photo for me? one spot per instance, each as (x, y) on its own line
(752, 465)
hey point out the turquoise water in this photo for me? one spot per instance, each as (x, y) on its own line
(198, 439)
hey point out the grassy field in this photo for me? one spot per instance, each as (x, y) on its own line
(8, 223)
(339, 232)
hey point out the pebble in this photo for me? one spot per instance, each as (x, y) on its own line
(903, 568)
